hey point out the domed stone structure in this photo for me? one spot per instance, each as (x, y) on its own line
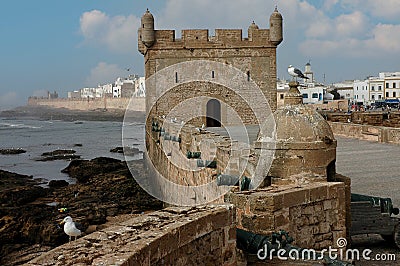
(276, 27)
(146, 31)
(305, 146)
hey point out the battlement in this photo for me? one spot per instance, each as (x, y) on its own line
(223, 38)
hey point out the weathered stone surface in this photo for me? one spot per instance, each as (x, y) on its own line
(173, 236)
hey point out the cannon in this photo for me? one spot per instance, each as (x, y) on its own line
(374, 215)
(265, 247)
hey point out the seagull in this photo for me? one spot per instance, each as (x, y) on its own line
(70, 228)
(294, 72)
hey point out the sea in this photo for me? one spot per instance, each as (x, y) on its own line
(90, 139)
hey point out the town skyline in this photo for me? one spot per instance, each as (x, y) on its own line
(91, 43)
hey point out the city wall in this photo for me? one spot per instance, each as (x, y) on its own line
(172, 236)
(138, 104)
(367, 132)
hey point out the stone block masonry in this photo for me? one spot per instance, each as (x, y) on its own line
(173, 236)
(314, 214)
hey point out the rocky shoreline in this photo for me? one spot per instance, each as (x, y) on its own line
(30, 214)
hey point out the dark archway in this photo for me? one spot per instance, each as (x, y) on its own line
(331, 171)
(213, 116)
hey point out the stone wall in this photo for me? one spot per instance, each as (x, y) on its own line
(138, 104)
(314, 214)
(173, 236)
(375, 118)
(367, 132)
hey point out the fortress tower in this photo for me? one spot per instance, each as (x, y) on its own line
(254, 55)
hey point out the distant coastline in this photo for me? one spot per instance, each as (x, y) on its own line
(64, 114)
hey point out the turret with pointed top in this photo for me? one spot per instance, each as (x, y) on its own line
(146, 31)
(276, 27)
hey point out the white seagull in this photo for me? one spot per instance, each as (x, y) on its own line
(294, 72)
(70, 228)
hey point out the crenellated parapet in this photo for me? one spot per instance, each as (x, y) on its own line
(199, 38)
(148, 37)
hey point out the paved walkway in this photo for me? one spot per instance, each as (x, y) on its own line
(374, 168)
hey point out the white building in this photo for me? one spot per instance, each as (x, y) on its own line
(361, 92)
(345, 89)
(140, 87)
(392, 86)
(376, 89)
(313, 93)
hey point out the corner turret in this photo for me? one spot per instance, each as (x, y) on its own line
(146, 31)
(276, 27)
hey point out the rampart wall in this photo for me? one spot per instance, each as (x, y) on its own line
(367, 132)
(172, 236)
(138, 104)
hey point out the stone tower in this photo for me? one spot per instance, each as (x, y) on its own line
(254, 55)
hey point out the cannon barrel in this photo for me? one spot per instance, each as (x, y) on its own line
(385, 203)
(252, 243)
(230, 180)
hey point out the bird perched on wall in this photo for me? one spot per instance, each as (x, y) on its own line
(71, 228)
(295, 72)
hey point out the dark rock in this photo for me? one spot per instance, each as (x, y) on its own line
(117, 150)
(11, 151)
(109, 189)
(58, 152)
(83, 170)
(78, 145)
(58, 183)
(59, 155)
(126, 150)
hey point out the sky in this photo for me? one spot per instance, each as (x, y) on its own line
(66, 45)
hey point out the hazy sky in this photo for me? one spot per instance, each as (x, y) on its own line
(65, 45)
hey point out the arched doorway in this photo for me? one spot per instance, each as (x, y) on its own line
(213, 114)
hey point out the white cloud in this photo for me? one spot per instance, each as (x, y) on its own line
(354, 24)
(115, 33)
(385, 37)
(104, 73)
(388, 9)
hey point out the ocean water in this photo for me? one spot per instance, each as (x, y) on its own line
(37, 137)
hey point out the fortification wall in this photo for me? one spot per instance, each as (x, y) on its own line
(168, 144)
(367, 132)
(91, 104)
(172, 236)
(314, 214)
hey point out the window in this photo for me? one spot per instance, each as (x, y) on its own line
(394, 94)
(305, 96)
(281, 96)
(315, 95)
(372, 88)
(379, 97)
(212, 74)
(387, 94)
(176, 77)
(373, 97)
(387, 85)
(248, 75)
(394, 85)
(379, 88)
